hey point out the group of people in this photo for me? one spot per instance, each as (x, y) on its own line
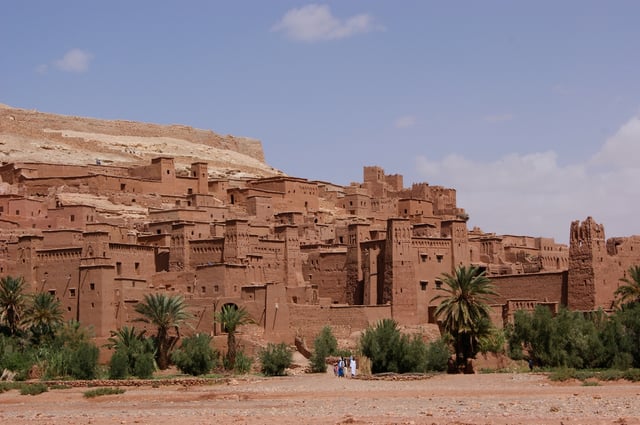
(343, 367)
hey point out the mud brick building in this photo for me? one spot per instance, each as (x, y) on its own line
(298, 254)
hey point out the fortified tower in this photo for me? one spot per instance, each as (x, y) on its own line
(587, 250)
(200, 171)
(293, 265)
(400, 287)
(236, 240)
(355, 281)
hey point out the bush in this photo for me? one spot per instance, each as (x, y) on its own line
(243, 363)
(275, 358)
(119, 365)
(16, 358)
(195, 356)
(324, 345)
(567, 340)
(33, 389)
(384, 346)
(145, 365)
(84, 361)
(437, 356)
(102, 391)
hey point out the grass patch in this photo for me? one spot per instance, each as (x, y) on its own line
(33, 389)
(565, 374)
(590, 383)
(60, 387)
(103, 391)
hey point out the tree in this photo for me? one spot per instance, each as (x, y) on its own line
(166, 313)
(464, 310)
(43, 316)
(630, 291)
(12, 302)
(231, 317)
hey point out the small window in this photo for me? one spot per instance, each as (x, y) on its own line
(204, 289)
(438, 284)
(216, 288)
(439, 257)
(52, 292)
(118, 268)
(92, 286)
(17, 212)
(423, 285)
(137, 267)
(72, 218)
(190, 191)
(123, 186)
(72, 292)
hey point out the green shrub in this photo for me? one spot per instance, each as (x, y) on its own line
(16, 357)
(243, 363)
(275, 358)
(570, 339)
(632, 375)
(119, 365)
(145, 365)
(324, 345)
(84, 361)
(34, 389)
(384, 346)
(562, 374)
(437, 356)
(195, 356)
(103, 391)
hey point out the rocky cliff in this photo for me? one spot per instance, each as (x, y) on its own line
(32, 136)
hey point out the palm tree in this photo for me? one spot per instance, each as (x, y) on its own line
(464, 309)
(230, 317)
(12, 302)
(630, 291)
(43, 315)
(165, 313)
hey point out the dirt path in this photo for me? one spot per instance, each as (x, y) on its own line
(324, 399)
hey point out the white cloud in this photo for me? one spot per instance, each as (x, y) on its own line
(623, 148)
(42, 68)
(75, 60)
(498, 118)
(532, 194)
(405, 121)
(315, 22)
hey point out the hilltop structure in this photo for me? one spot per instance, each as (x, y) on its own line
(297, 254)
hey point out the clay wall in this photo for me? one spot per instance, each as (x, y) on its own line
(308, 320)
(72, 216)
(541, 287)
(206, 251)
(432, 257)
(356, 204)
(57, 272)
(96, 299)
(326, 270)
(409, 208)
(132, 261)
(261, 207)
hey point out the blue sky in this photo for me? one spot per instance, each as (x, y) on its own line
(531, 110)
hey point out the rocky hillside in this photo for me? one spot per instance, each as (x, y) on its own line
(32, 136)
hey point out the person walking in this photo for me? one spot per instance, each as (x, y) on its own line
(352, 364)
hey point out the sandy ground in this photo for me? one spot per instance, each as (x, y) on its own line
(325, 399)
